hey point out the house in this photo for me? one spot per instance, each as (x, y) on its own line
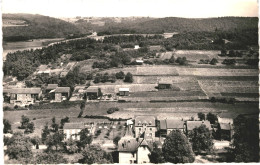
(226, 118)
(51, 87)
(226, 131)
(167, 125)
(71, 130)
(136, 47)
(45, 72)
(92, 92)
(24, 96)
(163, 84)
(145, 124)
(62, 93)
(190, 125)
(139, 62)
(132, 150)
(123, 91)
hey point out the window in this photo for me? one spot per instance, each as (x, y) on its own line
(151, 129)
(131, 162)
(140, 129)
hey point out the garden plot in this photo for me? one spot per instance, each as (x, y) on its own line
(237, 89)
(157, 70)
(196, 55)
(216, 72)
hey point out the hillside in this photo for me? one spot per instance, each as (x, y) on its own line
(174, 24)
(28, 26)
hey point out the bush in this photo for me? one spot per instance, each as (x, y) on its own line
(129, 78)
(229, 62)
(6, 108)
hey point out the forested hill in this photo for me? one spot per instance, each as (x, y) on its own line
(174, 24)
(28, 26)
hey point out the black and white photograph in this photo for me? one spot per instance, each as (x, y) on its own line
(130, 81)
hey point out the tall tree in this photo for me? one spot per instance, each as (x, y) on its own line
(156, 155)
(212, 118)
(201, 116)
(177, 149)
(85, 137)
(201, 139)
(94, 154)
(7, 126)
(129, 78)
(55, 140)
(45, 133)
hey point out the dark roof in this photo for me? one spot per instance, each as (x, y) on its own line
(163, 124)
(25, 90)
(73, 126)
(225, 126)
(92, 89)
(149, 120)
(62, 90)
(52, 86)
(173, 123)
(228, 115)
(193, 124)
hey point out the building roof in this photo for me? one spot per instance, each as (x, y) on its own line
(52, 86)
(62, 90)
(73, 126)
(128, 145)
(149, 120)
(227, 115)
(193, 124)
(25, 90)
(92, 89)
(173, 123)
(225, 126)
(123, 89)
(140, 61)
(165, 82)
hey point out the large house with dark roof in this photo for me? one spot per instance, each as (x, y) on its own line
(145, 124)
(62, 93)
(24, 96)
(226, 117)
(133, 150)
(51, 87)
(92, 92)
(167, 125)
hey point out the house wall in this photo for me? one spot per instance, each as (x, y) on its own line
(58, 97)
(23, 99)
(164, 86)
(150, 131)
(142, 155)
(127, 158)
(124, 93)
(69, 133)
(225, 120)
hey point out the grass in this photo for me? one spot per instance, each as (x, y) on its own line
(167, 93)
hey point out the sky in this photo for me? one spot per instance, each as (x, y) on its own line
(126, 8)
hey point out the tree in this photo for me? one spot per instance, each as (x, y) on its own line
(24, 121)
(245, 146)
(214, 61)
(129, 78)
(177, 149)
(36, 141)
(85, 137)
(71, 146)
(120, 75)
(201, 139)
(82, 107)
(19, 147)
(45, 133)
(94, 154)
(29, 128)
(54, 126)
(172, 59)
(201, 116)
(50, 158)
(116, 140)
(156, 155)
(55, 140)
(63, 121)
(7, 126)
(212, 118)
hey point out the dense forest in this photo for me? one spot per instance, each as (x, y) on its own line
(174, 24)
(38, 27)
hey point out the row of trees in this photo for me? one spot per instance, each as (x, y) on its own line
(112, 77)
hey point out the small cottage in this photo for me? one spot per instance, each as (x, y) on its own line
(71, 130)
(123, 91)
(51, 87)
(145, 124)
(62, 93)
(226, 131)
(92, 92)
(166, 126)
(190, 125)
(163, 84)
(24, 96)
